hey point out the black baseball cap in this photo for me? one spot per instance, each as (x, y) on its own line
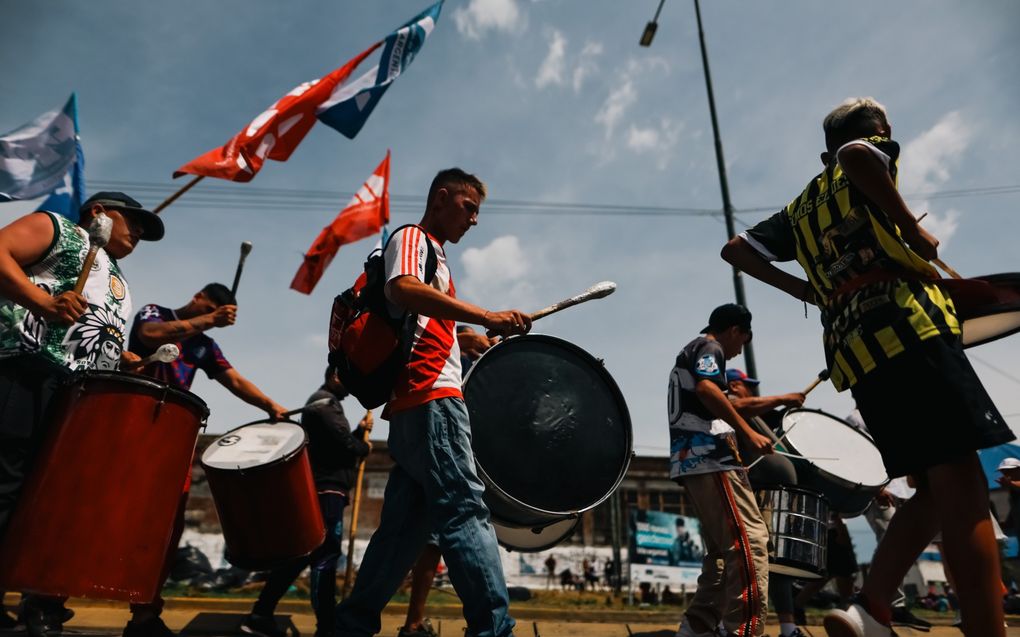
(152, 225)
(728, 315)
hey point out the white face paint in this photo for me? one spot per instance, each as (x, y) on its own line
(109, 355)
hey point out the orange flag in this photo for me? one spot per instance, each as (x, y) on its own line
(364, 216)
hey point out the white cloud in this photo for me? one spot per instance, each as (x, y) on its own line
(927, 162)
(586, 64)
(657, 140)
(480, 16)
(496, 274)
(622, 97)
(553, 66)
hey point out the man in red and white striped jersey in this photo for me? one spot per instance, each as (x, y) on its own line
(434, 488)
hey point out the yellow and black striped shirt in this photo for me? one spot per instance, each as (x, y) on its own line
(838, 235)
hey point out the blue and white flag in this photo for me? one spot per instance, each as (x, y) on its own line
(44, 157)
(67, 199)
(352, 102)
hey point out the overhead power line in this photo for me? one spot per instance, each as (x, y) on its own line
(242, 196)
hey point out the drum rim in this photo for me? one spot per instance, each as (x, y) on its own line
(843, 482)
(82, 377)
(797, 489)
(1010, 309)
(258, 467)
(614, 390)
(544, 547)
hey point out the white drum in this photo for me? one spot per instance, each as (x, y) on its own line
(839, 461)
(527, 540)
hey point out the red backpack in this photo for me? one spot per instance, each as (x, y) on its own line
(368, 346)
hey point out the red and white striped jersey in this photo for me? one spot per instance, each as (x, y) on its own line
(434, 369)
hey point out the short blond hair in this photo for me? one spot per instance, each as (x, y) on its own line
(855, 117)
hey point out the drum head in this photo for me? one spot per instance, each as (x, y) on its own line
(527, 540)
(988, 306)
(254, 446)
(833, 446)
(549, 426)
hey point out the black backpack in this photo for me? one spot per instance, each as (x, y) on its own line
(367, 345)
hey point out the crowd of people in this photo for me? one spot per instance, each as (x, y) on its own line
(891, 337)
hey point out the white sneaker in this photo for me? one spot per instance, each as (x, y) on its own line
(687, 631)
(854, 622)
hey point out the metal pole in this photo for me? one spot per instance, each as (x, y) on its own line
(738, 281)
(615, 530)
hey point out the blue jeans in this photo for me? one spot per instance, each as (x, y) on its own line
(432, 487)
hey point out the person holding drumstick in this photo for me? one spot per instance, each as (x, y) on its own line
(213, 306)
(434, 486)
(768, 471)
(334, 451)
(47, 329)
(703, 425)
(155, 325)
(893, 338)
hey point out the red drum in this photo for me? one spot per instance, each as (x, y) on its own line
(988, 306)
(261, 481)
(95, 516)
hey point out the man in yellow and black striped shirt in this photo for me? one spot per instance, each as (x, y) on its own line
(892, 337)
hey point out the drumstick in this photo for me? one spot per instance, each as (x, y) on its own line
(356, 505)
(597, 291)
(945, 268)
(939, 262)
(245, 249)
(293, 412)
(822, 376)
(99, 236)
(167, 353)
(797, 455)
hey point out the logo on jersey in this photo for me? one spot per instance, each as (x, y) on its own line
(707, 366)
(117, 287)
(95, 340)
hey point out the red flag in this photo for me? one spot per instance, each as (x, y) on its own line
(273, 134)
(364, 216)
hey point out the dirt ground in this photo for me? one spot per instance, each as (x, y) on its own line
(203, 617)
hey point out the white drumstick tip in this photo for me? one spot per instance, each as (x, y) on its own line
(601, 289)
(100, 229)
(167, 353)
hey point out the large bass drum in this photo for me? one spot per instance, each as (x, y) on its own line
(550, 431)
(988, 306)
(96, 515)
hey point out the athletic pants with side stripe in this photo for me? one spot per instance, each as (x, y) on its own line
(733, 584)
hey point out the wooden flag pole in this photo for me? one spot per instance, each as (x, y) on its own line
(172, 198)
(366, 428)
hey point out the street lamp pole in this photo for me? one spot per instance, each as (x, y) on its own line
(738, 281)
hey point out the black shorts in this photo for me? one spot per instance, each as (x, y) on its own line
(926, 406)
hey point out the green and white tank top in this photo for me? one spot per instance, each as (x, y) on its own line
(97, 338)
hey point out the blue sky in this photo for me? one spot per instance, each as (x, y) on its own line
(548, 101)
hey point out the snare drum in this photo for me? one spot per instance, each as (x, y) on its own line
(261, 482)
(988, 306)
(839, 461)
(551, 433)
(797, 520)
(96, 514)
(534, 540)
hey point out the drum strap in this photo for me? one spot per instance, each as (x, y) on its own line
(869, 278)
